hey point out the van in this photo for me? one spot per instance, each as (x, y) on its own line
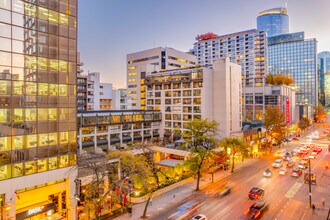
(280, 153)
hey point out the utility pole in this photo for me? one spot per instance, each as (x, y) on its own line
(309, 183)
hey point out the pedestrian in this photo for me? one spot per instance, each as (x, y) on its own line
(150, 202)
(323, 202)
(173, 196)
(313, 207)
(130, 210)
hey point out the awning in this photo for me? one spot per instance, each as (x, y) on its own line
(127, 138)
(137, 137)
(103, 114)
(102, 142)
(169, 162)
(88, 114)
(116, 113)
(87, 144)
(128, 113)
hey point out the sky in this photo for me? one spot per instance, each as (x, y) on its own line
(110, 29)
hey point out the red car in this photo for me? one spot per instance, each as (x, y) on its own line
(290, 163)
(295, 139)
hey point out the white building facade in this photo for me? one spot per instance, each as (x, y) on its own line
(149, 62)
(196, 93)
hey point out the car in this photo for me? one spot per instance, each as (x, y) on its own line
(302, 164)
(295, 139)
(199, 217)
(186, 210)
(296, 172)
(225, 190)
(256, 193)
(290, 163)
(319, 149)
(280, 153)
(257, 209)
(286, 139)
(283, 171)
(268, 173)
(277, 163)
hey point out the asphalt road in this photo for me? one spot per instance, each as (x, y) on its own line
(279, 190)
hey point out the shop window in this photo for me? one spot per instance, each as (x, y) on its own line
(52, 114)
(42, 165)
(30, 167)
(115, 119)
(53, 163)
(4, 115)
(43, 89)
(43, 139)
(17, 88)
(64, 161)
(138, 117)
(5, 172)
(42, 114)
(31, 141)
(30, 114)
(17, 169)
(53, 89)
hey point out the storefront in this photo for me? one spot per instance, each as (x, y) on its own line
(42, 211)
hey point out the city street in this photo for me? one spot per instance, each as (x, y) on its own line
(288, 196)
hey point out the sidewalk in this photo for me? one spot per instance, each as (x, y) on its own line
(177, 195)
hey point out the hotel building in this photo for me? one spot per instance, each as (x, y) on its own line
(246, 48)
(274, 21)
(151, 61)
(195, 93)
(38, 73)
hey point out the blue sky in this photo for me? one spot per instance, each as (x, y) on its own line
(110, 29)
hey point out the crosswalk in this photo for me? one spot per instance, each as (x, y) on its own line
(293, 190)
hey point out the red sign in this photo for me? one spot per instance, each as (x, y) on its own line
(206, 36)
(287, 110)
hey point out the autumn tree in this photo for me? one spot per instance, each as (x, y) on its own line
(319, 114)
(274, 123)
(234, 146)
(279, 79)
(200, 137)
(304, 123)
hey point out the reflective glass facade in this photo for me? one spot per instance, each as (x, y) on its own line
(292, 55)
(273, 21)
(38, 59)
(324, 78)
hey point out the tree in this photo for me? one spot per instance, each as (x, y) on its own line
(304, 123)
(233, 146)
(319, 114)
(279, 79)
(200, 137)
(274, 123)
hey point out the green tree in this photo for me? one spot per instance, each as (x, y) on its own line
(234, 146)
(275, 126)
(304, 123)
(200, 136)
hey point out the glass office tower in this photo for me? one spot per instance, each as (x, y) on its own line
(295, 56)
(274, 21)
(324, 77)
(38, 52)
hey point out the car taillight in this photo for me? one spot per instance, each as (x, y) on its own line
(257, 214)
(255, 196)
(246, 211)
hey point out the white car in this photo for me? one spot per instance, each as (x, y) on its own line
(283, 171)
(199, 217)
(278, 163)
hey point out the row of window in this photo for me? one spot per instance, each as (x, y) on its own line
(34, 140)
(36, 166)
(184, 101)
(35, 114)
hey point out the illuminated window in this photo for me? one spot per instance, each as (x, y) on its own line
(43, 13)
(42, 165)
(115, 119)
(18, 115)
(132, 74)
(4, 87)
(131, 68)
(52, 114)
(63, 90)
(53, 163)
(132, 80)
(42, 114)
(30, 62)
(53, 65)
(52, 139)
(64, 161)
(5, 143)
(5, 172)
(42, 63)
(17, 169)
(53, 89)
(43, 89)
(4, 115)
(43, 139)
(64, 19)
(31, 88)
(31, 140)
(30, 114)
(17, 88)
(18, 142)
(63, 137)
(53, 16)
(30, 167)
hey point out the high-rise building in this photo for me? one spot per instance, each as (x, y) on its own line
(152, 61)
(195, 93)
(324, 77)
(38, 74)
(295, 56)
(274, 21)
(246, 48)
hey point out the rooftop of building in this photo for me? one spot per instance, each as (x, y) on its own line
(272, 11)
(214, 36)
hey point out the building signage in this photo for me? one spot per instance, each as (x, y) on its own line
(287, 110)
(33, 211)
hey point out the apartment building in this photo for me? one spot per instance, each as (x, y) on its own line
(151, 61)
(38, 75)
(194, 93)
(246, 48)
(101, 130)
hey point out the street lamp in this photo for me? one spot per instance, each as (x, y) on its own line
(309, 183)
